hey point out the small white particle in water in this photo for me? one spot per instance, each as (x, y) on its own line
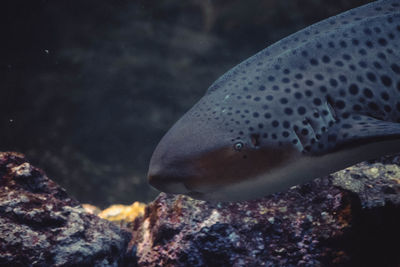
(11, 120)
(46, 51)
(226, 97)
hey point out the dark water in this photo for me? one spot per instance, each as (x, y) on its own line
(87, 88)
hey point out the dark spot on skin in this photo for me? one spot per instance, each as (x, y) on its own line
(345, 115)
(301, 110)
(323, 89)
(313, 62)
(371, 76)
(386, 80)
(377, 65)
(326, 59)
(385, 96)
(381, 56)
(342, 78)
(355, 42)
(395, 68)
(369, 44)
(373, 106)
(382, 41)
(368, 93)
(283, 100)
(367, 31)
(357, 107)
(340, 104)
(288, 111)
(362, 64)
(286, 124)
(304, 131)
(353, 89)
(298, 95)
(346, 57)
(317, 101)
(333, 82)
(387, 108)
(309, 83)
(298, 76)
(339, 63)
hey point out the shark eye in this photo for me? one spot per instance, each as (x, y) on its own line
(238, 146)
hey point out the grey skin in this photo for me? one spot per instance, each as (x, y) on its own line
(313, 103)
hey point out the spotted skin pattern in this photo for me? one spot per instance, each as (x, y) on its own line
(340, 76)
(332, 85)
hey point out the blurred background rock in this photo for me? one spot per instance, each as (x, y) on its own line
(87, 88)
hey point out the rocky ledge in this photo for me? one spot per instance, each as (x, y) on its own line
(350, 218)
(41, 226)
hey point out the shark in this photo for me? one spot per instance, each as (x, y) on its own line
(315, 102)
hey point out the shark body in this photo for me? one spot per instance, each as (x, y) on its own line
(313, 103)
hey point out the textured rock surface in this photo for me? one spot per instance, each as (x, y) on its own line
(41, 226)
(350, 218)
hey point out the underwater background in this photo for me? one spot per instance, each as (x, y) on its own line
(88, 88)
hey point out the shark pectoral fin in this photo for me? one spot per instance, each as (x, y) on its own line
(357, 130)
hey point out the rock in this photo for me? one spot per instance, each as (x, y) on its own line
(350, 218)
(40, 225)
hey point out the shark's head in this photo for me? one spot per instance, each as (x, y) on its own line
(207, 151)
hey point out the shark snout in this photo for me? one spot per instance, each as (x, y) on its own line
(165, 182)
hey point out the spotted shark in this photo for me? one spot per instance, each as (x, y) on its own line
(315, 102)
